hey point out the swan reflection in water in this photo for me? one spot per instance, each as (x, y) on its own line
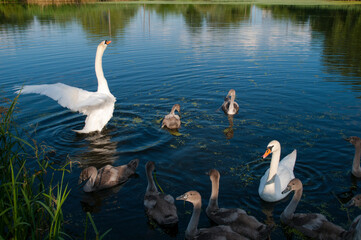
(347, 195)
(229, 132)
(355, 175)
(92, 202)
(267, 209)
(100, 150)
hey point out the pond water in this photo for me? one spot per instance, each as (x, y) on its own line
(297, 75)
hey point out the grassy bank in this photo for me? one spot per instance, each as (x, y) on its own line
(31, 200)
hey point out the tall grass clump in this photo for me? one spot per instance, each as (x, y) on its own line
(30, 199)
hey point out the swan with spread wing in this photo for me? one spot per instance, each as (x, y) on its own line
(97, 106)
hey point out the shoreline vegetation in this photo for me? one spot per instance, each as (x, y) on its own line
(268, 2)
(31, 200)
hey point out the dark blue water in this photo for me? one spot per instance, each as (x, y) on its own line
(296, 71)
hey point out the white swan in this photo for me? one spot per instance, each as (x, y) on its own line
(98, 106)
(229, 106)
(356, 169)
(278, 175)
(313, 225)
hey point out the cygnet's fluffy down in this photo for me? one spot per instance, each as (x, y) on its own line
(159, 206)
(172, 120)
(213, 233)
(236, 218)
(107, 176)
(313, 225)
(229, 105)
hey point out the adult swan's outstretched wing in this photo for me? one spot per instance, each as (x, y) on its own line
(98, 106)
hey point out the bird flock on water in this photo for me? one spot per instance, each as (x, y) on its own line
(230, 223)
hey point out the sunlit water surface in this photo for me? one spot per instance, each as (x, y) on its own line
(296, 72)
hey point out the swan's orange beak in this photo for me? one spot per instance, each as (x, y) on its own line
(268, 152)
(107, 42)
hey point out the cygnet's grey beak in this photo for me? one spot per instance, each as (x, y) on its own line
(347, 139)
(350, 203)
(81, 180)
(288, 188)
(81, 183)
(182, 197)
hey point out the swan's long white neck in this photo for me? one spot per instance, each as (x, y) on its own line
(287, 214)
(213, 200)
(151, 185)
(102, 82)
(192, 230)
(274, 163)
(356, 169)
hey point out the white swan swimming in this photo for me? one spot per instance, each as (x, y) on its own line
(229, 106)
(280, 173)
(98, 106)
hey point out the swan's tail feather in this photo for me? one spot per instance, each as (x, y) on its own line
(78, 131)
(82, 131)
(265, 231)
(348, 234)
(17, 89)
(133, 164)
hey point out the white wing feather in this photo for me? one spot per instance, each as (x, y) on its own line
(75, 99)
(289, 161)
